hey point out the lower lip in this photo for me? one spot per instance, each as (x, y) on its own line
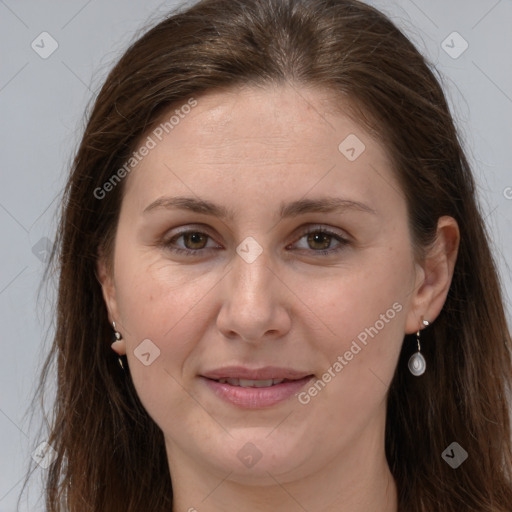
(255, 398)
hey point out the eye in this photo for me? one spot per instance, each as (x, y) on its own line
(317, 240)
(194, 240)
(190, 243)
(321, 240)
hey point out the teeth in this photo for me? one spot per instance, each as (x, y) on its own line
(248, 383)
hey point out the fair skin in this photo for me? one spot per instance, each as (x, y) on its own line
(300, 304)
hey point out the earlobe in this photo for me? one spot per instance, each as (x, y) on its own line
(119, 346)
(106, 280)
(436, 275)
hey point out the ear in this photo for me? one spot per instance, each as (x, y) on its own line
(105, 275)
(434, 275)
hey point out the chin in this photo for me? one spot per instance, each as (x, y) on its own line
(255, 457)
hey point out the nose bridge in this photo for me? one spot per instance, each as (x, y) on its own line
(253, 303)
(251, 282)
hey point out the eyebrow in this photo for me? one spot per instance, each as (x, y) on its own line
(293, 209)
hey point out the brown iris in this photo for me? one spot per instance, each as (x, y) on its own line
(319, 241)
(195, 240)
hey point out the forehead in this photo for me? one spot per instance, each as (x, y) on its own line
(280, 136)
(274, 116)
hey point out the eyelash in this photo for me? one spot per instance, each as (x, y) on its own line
(342, 242)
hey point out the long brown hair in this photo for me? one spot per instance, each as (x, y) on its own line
(111, 455)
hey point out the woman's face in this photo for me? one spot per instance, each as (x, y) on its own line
(263, 237)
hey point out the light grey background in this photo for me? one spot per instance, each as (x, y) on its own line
(42, 102)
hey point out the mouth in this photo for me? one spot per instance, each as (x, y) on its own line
(262, 374)
(257, 388)
(250, 383)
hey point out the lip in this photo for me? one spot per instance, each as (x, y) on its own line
(263, 373)
(255, 398)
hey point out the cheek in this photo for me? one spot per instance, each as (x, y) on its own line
(164, 311)
(368, 295)
(154, 295)
(364, 310)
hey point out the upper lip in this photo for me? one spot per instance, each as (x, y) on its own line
(264, 373)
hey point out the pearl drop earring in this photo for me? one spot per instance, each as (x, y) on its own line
(417, 364)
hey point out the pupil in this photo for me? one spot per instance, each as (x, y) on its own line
(319, 240)
(192, 240)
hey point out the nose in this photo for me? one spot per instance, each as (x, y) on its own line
(254, 307)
